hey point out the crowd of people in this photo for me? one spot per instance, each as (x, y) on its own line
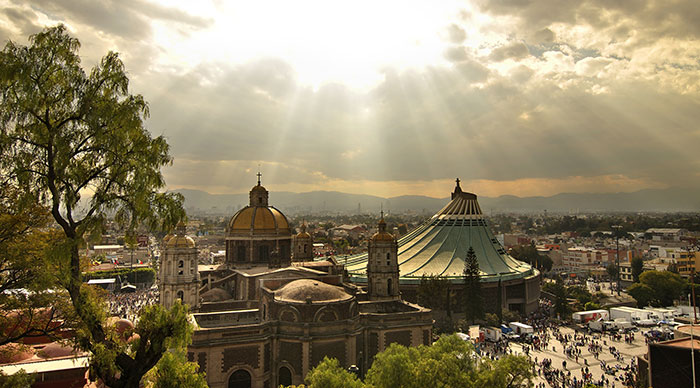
(576, 348)
(128, 305)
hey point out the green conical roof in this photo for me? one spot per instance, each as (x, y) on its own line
(439, 246)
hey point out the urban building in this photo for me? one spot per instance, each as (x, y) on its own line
(576, 258)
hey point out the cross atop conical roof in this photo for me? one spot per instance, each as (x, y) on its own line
(439, 246)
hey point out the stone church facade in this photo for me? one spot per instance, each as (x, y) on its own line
(265, 318)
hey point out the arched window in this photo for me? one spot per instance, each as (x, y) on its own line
(305, 247)
(285, 377)
(181, 295)
(239, 379)
(388, 286)
(180, 266)
(388, 258)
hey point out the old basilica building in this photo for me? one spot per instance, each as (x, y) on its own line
(270, 313)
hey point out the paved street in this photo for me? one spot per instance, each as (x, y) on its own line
(555, 352)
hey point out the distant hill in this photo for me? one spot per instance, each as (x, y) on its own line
(652, 200)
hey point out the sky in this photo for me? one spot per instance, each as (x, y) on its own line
(389, 98)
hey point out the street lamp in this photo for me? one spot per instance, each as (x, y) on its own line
(617, 249)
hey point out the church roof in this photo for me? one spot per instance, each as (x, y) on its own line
(439, 246)
(258, 218)
(310, 290)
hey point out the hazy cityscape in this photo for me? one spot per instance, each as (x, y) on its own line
(470, 193)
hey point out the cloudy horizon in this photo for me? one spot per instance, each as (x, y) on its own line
(400, 98)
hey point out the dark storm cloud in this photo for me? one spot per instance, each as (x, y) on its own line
(511, 50)
(129, 19)
(24, 20)
(652, 18)
(544, 35)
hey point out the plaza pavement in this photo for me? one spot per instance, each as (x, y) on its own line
(628, 351)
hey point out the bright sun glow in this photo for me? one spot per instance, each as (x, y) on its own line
(323, 41)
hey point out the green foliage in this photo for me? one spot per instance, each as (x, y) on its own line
(580, 293)
(143, 275)
(510, 316)
(24, 242)
(561, 306)
(612, 271)
(657, 288)
(529, 254)
(17, 380)
(449, 362)
(65, 132)
(643, 294)
(434, 292)
(329, 374)
(591, 306)
(174, 371)
(492, 320)
(508, 371)
(637, 267)
(473, 300)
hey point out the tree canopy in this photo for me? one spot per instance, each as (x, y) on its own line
(449, 362)
(30, 304)
(76, 143)
(529, 254)
(657, 288)
(637, 267)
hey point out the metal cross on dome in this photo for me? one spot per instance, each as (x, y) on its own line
(259, 175)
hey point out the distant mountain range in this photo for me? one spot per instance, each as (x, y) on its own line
(651, 200)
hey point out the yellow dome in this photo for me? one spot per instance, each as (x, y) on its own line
(383, 236)
(259, 220)
(180, 242)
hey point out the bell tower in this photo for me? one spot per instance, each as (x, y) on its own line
(303, 245)
(382, 265)
(179, 276)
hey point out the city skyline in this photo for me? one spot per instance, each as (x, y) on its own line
(400, 98)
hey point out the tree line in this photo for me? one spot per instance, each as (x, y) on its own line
(449, 362)
(65, 133)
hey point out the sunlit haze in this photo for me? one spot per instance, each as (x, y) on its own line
(395, 98)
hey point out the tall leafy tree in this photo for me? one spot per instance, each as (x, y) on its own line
(637, 267)
(665, 286)
(612, 271)
(473, 301)
(77, 143)
(434, 292)
(30, 305)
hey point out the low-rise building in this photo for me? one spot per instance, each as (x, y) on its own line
(583, 257)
